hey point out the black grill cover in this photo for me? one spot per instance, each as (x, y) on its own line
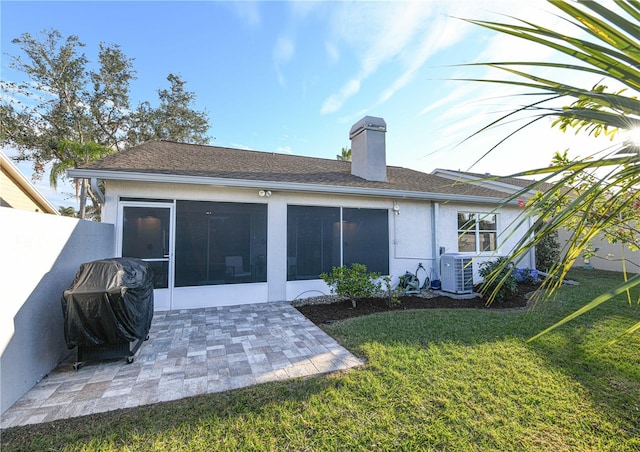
(109, 302)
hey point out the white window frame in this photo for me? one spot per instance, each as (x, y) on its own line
(479, 216)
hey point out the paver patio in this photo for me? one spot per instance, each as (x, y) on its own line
(189, 352)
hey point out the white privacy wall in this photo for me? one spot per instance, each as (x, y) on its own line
(40, 256)
(614, 257)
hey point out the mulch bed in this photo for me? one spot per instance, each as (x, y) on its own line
(332, 312)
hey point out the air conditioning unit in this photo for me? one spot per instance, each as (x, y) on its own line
(456, 273)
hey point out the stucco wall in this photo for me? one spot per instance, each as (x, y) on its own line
(510, 229)
(411, 236)
(410, 232)
(40, 256)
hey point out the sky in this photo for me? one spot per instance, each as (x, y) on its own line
(293, 77)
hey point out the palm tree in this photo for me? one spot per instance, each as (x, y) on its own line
(76, 154)
(345, 155)
(590, 196)
(68, 211)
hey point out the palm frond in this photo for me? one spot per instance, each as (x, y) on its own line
(614, 29)
(608, 295)
(587, 197)
(615, 54)
(632, 329)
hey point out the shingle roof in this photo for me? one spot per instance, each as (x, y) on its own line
(514, 181)
(172, 158)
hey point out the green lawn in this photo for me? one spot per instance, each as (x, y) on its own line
(435, 380)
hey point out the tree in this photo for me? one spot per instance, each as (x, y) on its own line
(589, 196)
(68, 211)
(174, 119)
(64, 100)
(345, 155)
(73, 155)
(614, 212)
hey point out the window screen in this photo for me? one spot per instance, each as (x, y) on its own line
(366, 238)
(313, 241)
(220, 243)
(314, 245)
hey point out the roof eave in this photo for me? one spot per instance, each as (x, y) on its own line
(491, 181)
(276, 185)
(30, 190)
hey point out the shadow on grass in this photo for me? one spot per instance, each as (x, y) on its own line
(128, 426)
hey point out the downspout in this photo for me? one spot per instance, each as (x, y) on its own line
(96, 190)
(532, 251)
(395, 232)
(341, 239)
(435, 211)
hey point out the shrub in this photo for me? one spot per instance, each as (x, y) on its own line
(393, 294)
(526, 275)
(499, 279)
(547, 251)
(352, 282)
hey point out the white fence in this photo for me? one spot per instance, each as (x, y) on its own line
(609, 256)
(40, 255)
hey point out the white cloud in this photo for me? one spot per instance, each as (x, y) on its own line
(332, 52)
(249, 12)
(470, 106)
(241, 146)
(443, 34)
(300, 10)
(459, 93)
(284, 49)
(407, 34)
(334, 102)
(378, 35)
(283, 52)
(284, 150)
(353, 117)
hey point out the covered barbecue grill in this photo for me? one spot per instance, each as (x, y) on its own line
(108, 309)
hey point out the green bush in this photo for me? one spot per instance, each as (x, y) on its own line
(526, 276)
(352, 282)
(547, 251)
(393, 294)
(499, 280)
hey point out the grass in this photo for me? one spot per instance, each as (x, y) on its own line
(435, 380)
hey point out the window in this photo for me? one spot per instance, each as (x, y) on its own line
(477, 232)
(220, 243)
(314, 241)
(365, 238)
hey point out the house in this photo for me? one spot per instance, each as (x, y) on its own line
(16, 191)
(224, 226)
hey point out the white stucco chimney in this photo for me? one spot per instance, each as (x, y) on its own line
(368, 153)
